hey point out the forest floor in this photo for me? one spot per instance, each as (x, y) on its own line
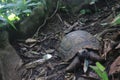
(33, 51)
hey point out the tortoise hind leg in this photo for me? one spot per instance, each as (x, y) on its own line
(73, 65)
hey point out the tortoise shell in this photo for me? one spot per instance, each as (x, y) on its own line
(74, 41)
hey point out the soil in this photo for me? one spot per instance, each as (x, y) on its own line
(51, 34)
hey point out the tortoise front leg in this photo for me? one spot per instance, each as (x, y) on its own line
(73, 65)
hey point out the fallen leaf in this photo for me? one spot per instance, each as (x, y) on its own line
(86, 65)
(118, 46)
(34, 52)
(47, 56)
(115, 66)
(30, 40)
(107, 47)
(50, 51)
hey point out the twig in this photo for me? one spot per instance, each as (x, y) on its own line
(70, 27)
(101, 34)
(34, 63)
(57, 6)
(30, 74)
(59, 18)
(36, 33)
(53, 75)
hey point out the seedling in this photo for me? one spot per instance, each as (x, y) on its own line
(100, 70)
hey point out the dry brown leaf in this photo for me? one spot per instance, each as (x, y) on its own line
(115, 66)
(107, 47)
(118, 46)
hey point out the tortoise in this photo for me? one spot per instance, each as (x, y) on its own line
(78, 45)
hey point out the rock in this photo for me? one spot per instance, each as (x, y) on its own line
(10, 62)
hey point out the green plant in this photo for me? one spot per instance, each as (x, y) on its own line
(84, 11)
(100, 70)
(14, 10)
(7, 20)
(116, 20)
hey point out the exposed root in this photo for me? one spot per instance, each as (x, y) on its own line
(45, 20)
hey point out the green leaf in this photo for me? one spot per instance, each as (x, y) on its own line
(27, 11)
(97, 70)
(10, 5)
(21, 5)
(116, 20)
(104, 76)
(93, 2)
(32, 4)
(100, 70)
(28, 1)
(13, 17)
(83, 11)
(101, 67)
(10, 22)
